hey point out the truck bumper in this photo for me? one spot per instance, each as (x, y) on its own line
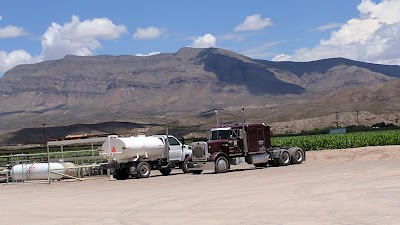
(201, 166)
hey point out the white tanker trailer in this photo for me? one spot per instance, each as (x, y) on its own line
(138, 155)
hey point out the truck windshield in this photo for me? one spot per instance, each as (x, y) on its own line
(219, 134)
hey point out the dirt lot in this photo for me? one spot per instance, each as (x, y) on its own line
(353, 186)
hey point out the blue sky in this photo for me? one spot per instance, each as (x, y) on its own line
(365, 30)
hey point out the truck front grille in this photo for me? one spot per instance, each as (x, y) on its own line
(199, 151)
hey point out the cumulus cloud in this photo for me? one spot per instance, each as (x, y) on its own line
(75, 37)
(150, 54)
(372, 37)
(10, 60)
(78, 37)
(206, 41)
(11, 31)
(253, 22)
(148, 33)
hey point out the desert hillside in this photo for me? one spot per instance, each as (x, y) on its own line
(182, 90)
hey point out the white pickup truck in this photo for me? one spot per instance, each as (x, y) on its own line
(139, 155)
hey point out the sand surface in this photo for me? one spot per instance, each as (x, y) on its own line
(350, 186)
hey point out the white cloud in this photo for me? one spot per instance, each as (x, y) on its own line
(10, 60)
(78, 37)
(148, 33)
(1, 18)
(253, 22)
(150, 54)
(329, 26)
(372, 37)
(206, 41)
(11, 31)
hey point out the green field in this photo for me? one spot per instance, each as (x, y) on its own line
(339, 141)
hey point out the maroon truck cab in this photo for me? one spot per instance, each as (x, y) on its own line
(234, 144)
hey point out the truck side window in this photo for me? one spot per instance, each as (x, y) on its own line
(234, 133)
(172, 141)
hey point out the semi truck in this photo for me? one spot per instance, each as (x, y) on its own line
(137, 156)
(239, 143)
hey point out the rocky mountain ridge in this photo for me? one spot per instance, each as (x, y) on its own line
(171, 88)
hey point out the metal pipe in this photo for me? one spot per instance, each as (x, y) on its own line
(166, 144)
(48, 165)
(216, 112)
(245, 144)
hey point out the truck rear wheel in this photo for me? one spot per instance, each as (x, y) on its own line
(284, 159)
(143, 170)
(221, 165)
(298, 156)
(121, 174)
(165, 172)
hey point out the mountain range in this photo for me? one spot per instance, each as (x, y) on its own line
(96, 94)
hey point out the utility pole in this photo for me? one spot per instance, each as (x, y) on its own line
(44, 132)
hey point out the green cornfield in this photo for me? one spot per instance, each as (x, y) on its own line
(340, 141)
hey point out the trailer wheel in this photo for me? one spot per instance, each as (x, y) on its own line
(221, 165)
(121, 174)
(165, 172)
(143, 170)
(185, 165)
(196, 171)
(298, 156)
(284, 159)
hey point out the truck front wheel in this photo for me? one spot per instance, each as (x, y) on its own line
(185, 165)
(221, 165)
(143, 170)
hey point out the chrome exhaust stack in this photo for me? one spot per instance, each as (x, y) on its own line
(245, 144)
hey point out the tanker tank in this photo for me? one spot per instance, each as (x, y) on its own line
(125, 149)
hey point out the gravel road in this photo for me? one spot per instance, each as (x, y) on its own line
(350, 186)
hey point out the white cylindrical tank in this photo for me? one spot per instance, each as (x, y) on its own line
(36, 171)
(125, 149)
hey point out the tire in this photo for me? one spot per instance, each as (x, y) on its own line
(197, 171)
(185, 165)
(221, 165)
(298, 157)
(261, 165)
(284, 159)
(143, 170)
(121, 174)
(165, 172)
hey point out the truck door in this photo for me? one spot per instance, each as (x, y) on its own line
(233, 142)
(175, 150)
